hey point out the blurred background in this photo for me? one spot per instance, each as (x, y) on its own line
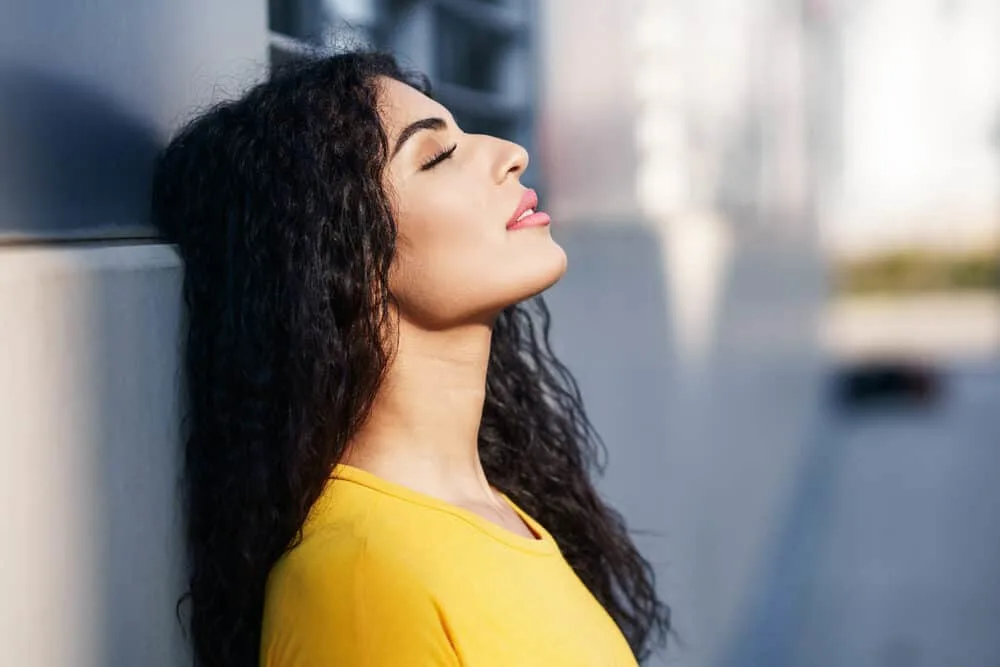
(783, 224)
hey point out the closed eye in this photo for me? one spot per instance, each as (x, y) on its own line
(439, 158)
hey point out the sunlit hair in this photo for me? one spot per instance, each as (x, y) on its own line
(276, 206)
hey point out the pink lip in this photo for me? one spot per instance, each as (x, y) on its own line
(537, 219)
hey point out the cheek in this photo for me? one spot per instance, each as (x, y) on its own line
(445, 231)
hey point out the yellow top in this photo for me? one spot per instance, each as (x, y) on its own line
(386, 576)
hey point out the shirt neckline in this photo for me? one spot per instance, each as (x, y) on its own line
(543, 544)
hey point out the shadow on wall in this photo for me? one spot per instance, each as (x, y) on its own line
(73, 162)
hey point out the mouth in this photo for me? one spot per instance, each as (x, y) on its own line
(527, 214)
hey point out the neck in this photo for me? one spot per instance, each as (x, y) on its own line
(423, 429)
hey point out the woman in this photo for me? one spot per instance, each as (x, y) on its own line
(385, 464)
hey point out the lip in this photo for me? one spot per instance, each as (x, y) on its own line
(528, 200)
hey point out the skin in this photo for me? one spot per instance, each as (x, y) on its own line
(457, 266)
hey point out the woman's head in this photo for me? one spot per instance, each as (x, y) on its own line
(310, 225)
(367, 168)
(453, 196)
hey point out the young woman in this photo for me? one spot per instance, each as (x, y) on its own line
(385, 464)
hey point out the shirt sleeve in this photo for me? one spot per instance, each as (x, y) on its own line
(366, 611)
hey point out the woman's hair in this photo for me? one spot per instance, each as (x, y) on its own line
(276, 206)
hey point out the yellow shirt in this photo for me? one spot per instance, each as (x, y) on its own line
(386, 576)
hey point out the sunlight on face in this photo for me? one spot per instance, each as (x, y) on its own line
(453, 196)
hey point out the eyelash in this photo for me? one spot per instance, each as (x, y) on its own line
(438, 159)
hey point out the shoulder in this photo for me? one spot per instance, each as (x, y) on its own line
(348, 595)
(348, 549)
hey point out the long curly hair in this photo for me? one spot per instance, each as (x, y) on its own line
(275, 204)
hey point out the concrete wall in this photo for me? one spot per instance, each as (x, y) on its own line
(88, 422)
(89, 317)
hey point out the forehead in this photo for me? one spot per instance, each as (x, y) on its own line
(400, 105)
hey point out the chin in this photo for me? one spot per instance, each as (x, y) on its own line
(545, 271)
(509, 283)
(558, 268)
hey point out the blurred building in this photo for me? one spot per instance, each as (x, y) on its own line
(919, 123)
(679, 140)
(479, 54)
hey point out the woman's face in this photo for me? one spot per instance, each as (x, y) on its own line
(454, 195)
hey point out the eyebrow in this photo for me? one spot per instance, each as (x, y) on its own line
(436, 124)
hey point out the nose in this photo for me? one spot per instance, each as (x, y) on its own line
(511, 160)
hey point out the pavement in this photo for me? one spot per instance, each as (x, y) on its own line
(891, 557)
